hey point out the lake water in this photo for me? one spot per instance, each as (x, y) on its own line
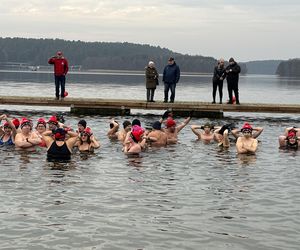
(184, 196)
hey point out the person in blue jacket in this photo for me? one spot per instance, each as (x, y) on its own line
(171, 77)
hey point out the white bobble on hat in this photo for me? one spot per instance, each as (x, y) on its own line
(150, 63)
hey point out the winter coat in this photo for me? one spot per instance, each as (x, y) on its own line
(151, 78)
(218, 73)
(233, 75)
(61, 67)
(171, 74)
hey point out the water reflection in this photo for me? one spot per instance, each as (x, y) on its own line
(246, 159)
(135, 160)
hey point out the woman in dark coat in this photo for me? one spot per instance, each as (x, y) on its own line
(151, 80)
(218, 78)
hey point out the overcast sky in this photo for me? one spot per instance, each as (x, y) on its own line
(246, 30)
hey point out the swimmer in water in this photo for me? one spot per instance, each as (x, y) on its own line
(157, 137)
(290, 140)
(206, 134)
(172, 130)
(41, 127)
(113, 129)
(81, 125)
(136, 142)
(59, 148)
(53, 123)
(8, 132)
(26, 139)
(87, 141)
(246, 143)
(221, 136)
(256, 131)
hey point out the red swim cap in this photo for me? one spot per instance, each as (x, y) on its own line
(291, 134)
(87, 131)
(137, 132)
(25, 121)
(170, 122)
(41, 121)
(16, 122)
(59, 134)
(53, 120)
(6, 125)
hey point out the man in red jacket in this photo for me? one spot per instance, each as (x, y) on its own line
(60, 70)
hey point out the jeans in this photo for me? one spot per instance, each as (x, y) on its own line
(60, 81)
(170, 86)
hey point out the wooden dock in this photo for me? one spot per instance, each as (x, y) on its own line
(123, 107)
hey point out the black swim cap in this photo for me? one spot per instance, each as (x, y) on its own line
(136, 122)
(126, 124)
(83, 123)
(156, 125)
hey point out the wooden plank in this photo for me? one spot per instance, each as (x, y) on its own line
(140, 104)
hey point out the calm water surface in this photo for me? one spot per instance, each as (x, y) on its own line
(185, 196)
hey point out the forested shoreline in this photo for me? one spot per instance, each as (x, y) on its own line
(123, 56)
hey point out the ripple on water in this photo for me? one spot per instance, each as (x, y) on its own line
(180, 197)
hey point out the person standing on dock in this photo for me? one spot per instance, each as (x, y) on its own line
(61, 69)
(151, 81)
(232, 74)
(218, 78)
(171, 77)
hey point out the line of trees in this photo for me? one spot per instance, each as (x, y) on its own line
(100, 55)
(289, 68)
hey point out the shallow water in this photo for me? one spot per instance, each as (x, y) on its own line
(184, 196)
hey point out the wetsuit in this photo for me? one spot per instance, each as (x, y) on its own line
(9, 142)
(58, 153)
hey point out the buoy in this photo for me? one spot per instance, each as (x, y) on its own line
(233, 100)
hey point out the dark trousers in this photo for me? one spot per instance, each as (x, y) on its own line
(150, 94)
(217, 84)
(60, 82)
(233, 87)
(170, 86)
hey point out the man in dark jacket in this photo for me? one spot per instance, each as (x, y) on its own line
(171, 77)
(232, 75)
(60, 70)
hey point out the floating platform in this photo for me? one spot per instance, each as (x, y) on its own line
(88, 106)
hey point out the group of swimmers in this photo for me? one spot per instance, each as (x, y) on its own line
(60, 140)
(165, 131)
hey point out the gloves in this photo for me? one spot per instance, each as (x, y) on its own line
(166, 114)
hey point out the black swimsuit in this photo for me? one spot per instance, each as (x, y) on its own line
(58, 153)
